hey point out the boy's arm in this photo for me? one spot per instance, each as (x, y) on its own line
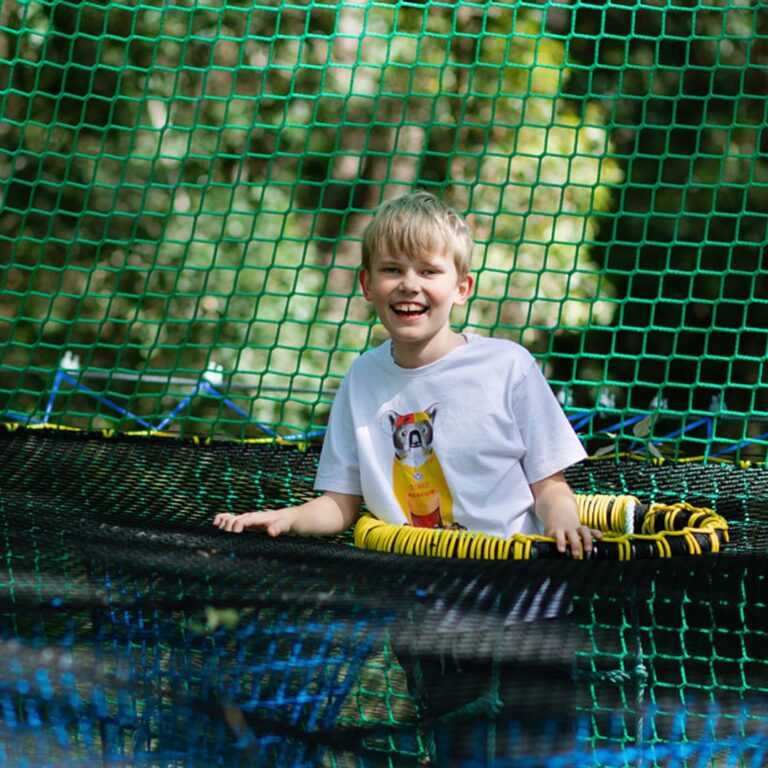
(326, 515)
(555, 505)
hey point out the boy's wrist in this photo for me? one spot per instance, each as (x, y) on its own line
(292, 518)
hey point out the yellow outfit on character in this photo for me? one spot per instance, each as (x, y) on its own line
(423, 493)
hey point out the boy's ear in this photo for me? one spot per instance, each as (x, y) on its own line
(465, 286)
(365, 283)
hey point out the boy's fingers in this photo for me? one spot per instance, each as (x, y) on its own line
(274, 526)
(220, 521)
(577, 541)
(574, 540)
(229, 522)
(232, 525)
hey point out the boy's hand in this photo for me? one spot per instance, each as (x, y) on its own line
(555, 505)
(273, 522)
(326, 515)
(578, 540)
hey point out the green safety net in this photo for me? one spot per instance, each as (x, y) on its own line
(184, 189)
(132, 632)
(184, 186)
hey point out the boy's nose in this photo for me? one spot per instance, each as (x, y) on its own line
(409, 282)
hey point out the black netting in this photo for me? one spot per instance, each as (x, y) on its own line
(134, 630)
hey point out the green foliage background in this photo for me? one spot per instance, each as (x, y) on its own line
(185, 185)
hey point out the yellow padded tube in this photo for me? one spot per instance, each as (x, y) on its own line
(688, 527)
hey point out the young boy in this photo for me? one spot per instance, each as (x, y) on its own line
(436, 428)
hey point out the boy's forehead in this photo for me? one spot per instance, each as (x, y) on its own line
(425, 257)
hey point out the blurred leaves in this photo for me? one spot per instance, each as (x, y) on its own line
(186, 184)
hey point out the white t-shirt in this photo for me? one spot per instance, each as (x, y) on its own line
(454, 443)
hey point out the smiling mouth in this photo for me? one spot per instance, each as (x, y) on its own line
(409, 310)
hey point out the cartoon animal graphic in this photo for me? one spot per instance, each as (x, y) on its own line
(418, 480)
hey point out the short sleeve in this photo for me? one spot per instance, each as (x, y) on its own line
(339, 468)
(551, 444)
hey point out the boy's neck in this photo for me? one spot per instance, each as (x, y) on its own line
(418, 355)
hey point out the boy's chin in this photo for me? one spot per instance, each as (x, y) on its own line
(408, 340)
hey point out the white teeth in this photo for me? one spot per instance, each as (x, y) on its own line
(408, 308)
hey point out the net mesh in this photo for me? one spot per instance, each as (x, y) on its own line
(184, 189)
(132, 630)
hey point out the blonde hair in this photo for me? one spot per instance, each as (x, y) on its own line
(417, 225)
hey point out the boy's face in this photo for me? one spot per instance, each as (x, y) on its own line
(413, 299)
